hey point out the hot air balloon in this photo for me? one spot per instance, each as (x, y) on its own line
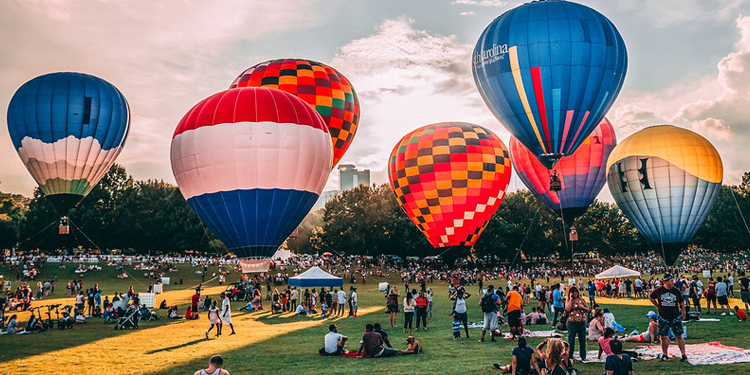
(550, 71)
(68, 129)
(251, 163)
(582, 174)
(321, 86)
(665, 180)
(450, 178)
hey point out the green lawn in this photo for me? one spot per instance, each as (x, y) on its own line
(296, 352)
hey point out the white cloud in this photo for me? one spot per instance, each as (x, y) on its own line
(407, 78)
(716, 106)
(164, 56)
(471, 13)
(482, 3)
(671, 13)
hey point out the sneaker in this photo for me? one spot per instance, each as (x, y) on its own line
(493, 339)
(497, 365)
(634, 333)
(664, 358)
(683, 359)
(730, 313)
(206, 334)
(480, 340)
(723, 314)
(425, 328)
(231, 334)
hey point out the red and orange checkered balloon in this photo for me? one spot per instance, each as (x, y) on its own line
(321, 86)
(450, 179)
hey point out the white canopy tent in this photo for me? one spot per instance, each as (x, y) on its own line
(315, 277)
(282, 254)
(617, 271)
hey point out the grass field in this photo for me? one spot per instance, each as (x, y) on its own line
(284, 344)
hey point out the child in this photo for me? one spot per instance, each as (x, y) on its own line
(741, 315)
(457, 327)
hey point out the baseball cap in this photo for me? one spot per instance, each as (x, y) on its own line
(652, 315)
(667, 277)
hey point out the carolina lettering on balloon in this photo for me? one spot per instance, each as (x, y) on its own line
(485, 57)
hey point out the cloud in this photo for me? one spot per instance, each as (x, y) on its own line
(716, 106)
(685, 13)
(407, 78)
(467, 13)
(481, 3)
(164, 56)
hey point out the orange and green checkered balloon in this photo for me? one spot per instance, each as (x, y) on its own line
(450, 179)
(321, 86)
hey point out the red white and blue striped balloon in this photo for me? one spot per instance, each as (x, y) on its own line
(251, 162)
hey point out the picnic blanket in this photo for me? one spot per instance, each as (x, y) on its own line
(703, 320)
(351, 354)
(644, 354)
(527, 333)
(711, 353)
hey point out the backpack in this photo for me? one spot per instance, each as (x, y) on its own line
(488, 304)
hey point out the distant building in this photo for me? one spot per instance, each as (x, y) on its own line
(350, 177)
(324, 198)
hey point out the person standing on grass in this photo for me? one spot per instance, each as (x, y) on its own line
(422, 304)
(515, 302)
(489, 304)
(721, 296)
(557, 302)
(391, 305)
(577, 309)
(194, 302)
(671, 307)
(214, 367)
(730, 284)
(459, 310)
(696, 290)
(409, 305)
(226, 311)
(745, 291)
(342, 301)
(214, 319)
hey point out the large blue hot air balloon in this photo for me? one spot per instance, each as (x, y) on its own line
(68, 128)
(550, 71)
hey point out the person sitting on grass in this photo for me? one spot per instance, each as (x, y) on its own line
(741, 315)
(372, 344)
(12, 322)
(618, 363)
(189, 313)
(414, 347)
(174, 313)
(383, 334)
(248, 307)
(35, 325)
(522, 358)
(334, 342)
(214, 367)
(301, 309)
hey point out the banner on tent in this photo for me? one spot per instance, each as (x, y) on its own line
(255, 265)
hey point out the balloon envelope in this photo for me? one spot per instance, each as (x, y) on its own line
(550, 71)
(665, 179)
(583, 174)
(450, 179)
(68, 129)
(251, 163)
(321, 86)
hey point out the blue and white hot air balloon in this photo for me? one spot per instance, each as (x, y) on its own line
(68, 129)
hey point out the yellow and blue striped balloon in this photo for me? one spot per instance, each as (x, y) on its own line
(665, 179)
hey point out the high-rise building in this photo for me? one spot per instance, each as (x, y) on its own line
(350, 177)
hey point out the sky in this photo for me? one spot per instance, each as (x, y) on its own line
(410, 62)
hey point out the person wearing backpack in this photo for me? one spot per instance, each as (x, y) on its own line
(696, 290)
(489, 304)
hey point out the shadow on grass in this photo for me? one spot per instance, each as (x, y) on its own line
(176, 346)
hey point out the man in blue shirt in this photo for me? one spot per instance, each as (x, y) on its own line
(557, 302)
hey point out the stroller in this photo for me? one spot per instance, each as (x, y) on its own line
(129, 319)
(147, 315)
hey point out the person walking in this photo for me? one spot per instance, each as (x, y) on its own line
(745, 291)
(721, 296)
(409, 305)
(515, 301)
(577, 309)
(671, 307)
(226, 311)
(214, 319)
(557, 302)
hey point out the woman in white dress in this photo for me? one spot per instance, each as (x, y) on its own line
(214, 319)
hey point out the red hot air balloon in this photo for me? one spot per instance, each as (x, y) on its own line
(450, 179)
(583, 174)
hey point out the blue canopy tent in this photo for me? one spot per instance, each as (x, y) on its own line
(315, 277)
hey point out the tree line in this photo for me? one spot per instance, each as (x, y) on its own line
(151, 216)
